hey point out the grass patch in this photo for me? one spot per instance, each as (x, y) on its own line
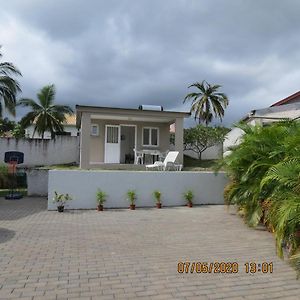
(4, 192)
(192, 164)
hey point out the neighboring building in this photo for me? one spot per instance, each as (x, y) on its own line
(295, 98)
(285, 109)
(114, 135)
(69, 129)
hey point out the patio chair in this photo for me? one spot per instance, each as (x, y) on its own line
(167, 164)
(139, 157)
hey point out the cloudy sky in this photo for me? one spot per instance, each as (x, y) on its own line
(125, 53)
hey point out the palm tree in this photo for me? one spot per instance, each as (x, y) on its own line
(9, 87)
(44, 114)
(208, 102)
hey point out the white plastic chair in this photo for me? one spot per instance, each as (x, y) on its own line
(139, 157)
(167, 164)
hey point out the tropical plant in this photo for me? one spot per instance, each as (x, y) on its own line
(207, 102)
(9, 87)
(189, 196)
(61, 199)
(101, 196)
(264, 170)
(199, 138)
(6, 126)
(284, 212)
(157, 196)
(131, 196)
(44, 114)
(18, 131)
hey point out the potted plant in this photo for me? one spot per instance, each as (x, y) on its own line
(131, 196)
(60, 200)
(157, 197)
(189, 195)
(101, 198)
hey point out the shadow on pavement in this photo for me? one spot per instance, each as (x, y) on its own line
(6, 235)
(17, 209)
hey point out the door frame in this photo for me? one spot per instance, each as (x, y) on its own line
(135, 133)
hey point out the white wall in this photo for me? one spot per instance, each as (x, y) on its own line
(232, 138)
(83, 184)
(67, 128)
(37, 182)
(62, 150)
(214, 152)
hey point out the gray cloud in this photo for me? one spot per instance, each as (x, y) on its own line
(124, 53)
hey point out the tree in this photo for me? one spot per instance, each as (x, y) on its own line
(6, 126)
(199, 138)
(9, 87)
(207, 102)
(18, 131)
(44, 114)
(11, 128)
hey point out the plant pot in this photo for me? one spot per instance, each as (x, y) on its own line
(190, 204)
(100, 207)
(132, 206)
(297, 233)
(158, 205)
(60, 208)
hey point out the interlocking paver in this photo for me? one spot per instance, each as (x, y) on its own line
(121, 254)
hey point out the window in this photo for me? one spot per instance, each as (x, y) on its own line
(95, 129)
(150, 136)
(112, 134)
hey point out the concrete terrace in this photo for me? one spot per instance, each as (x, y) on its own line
(122, 254)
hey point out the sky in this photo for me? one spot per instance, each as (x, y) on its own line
(130, 52)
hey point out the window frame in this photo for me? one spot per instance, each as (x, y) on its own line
(97, 129)
(150, 136)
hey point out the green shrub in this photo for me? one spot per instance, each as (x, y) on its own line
(264, 170)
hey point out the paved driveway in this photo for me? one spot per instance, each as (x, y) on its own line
(122, 254)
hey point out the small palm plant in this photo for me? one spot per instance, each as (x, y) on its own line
(60, 200)
(189, 196)
(101, 198)
(157, 197)
(131, 196)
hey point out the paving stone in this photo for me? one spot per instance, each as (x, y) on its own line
(119, 254)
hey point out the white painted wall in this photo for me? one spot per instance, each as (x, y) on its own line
(82, 185)
(37, 182)
(62, 150)
(67, 128)
(214, 152)
(232, 138)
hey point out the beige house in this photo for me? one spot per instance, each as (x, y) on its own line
(116, 135)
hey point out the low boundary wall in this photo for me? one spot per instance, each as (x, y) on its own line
(37, 182)
(37, 152)
(82, 185)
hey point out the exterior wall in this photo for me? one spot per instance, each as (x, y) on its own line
(68, 128)
(37, 152)
(82, 185)
(37, 182)
(232, 138)
(97, 143)
(214, 152)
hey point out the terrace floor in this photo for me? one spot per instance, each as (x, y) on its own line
(122, 254)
